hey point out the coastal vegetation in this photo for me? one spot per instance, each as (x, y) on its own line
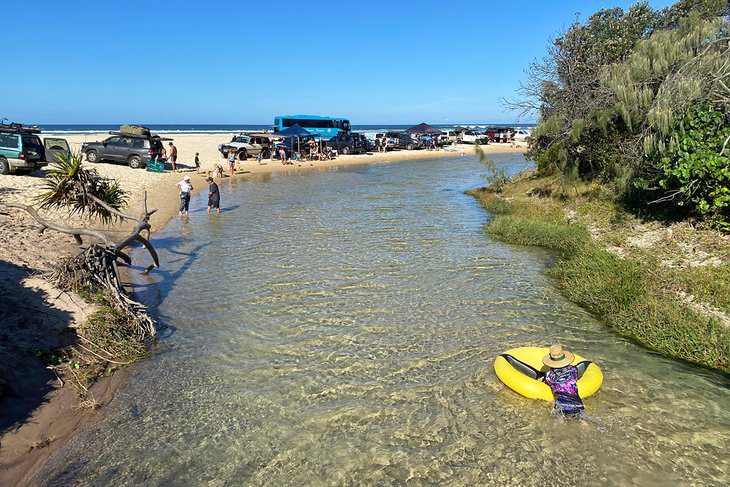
(647, 289)
(632, 181)
(640, 100)
(119, 331)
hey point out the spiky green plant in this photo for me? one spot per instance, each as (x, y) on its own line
(497, 175)
(72, 187)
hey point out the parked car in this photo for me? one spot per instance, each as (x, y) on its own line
(136, 150)
(402, 140)
(352, 143)
(472, 137)
(22, 151)
(450, 137)
(521, 135)
(247, 145)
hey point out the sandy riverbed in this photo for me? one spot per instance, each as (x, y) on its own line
(35, 315)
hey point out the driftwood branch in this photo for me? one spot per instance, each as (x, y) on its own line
(150, 249)
(108, 208)
(76, 232)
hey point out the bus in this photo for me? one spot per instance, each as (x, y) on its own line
(321, 127)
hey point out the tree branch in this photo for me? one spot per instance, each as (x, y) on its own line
(76, 232)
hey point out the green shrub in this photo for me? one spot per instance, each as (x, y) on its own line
(695, 171)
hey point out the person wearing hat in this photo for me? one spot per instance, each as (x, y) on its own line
(185, 188)
(214, 195)
(563, 381)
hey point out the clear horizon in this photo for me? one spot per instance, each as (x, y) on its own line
(383, 64)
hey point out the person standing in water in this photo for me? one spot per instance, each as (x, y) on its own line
(563, 381)
(185, 188)
(214, 195)
(173, 157)
(197, 162)
(231, 161)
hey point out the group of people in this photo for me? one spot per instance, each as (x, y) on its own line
(317, 153)
(186, 187)
(501, 137)
(173, 158)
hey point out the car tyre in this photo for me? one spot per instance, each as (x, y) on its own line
(4, 166)
(409, 147)
(265, 153)
(242, 155)
(476, 142)
(92, 156)
(345, 151)
(135, 162)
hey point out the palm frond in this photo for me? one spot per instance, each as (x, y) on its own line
(71, 187)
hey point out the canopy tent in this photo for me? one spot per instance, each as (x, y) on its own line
(295, 130)
(423, 128)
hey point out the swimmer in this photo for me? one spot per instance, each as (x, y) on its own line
(563, 381)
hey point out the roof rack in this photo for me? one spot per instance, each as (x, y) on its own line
(19, 128)
(138, 136)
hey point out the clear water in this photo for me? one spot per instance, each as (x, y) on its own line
(338, 328)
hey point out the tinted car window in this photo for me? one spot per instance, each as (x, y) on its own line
(113, 140)
(9, 140)
(138, 143)
(31, 140)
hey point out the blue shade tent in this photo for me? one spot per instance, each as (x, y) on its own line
(295, 130)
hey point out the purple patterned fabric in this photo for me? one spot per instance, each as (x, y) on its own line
(563, 383)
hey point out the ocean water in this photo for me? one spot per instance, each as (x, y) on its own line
(236, 128)
(339, 326)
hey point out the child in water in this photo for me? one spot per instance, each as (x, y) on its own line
(563, 381)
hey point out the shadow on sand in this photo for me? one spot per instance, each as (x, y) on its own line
(27, 323)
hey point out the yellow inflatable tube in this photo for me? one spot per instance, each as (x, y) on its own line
(519, 369)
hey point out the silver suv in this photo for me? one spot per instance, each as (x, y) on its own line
(134, 150)
(248, 145)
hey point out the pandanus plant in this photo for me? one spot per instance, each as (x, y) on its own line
(72, 188)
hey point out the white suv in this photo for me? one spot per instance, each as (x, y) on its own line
(472, 137)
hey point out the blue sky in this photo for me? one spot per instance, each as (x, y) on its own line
(245, 62)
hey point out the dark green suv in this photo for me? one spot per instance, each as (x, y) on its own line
(22, 151)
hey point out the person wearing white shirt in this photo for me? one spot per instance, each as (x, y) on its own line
(185, 188)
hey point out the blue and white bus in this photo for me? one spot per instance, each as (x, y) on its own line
(322, 127)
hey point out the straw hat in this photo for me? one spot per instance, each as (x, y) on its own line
(186, 178)
(557, 357)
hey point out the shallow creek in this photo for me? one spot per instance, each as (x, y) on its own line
(338, 327)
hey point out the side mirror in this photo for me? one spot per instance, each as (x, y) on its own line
(104, 143)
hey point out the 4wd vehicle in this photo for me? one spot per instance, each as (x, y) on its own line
(248, 145)
(402, 140)
(131, 146)
(449, 137)
(348, 143)
(472, 137)
(521, 135)
(22, 151)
